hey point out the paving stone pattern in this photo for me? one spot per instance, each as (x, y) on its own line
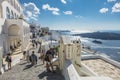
(24, 71)
(103, 68)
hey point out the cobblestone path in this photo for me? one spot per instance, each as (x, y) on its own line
(24, 71)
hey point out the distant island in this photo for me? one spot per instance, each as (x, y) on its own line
(100, 35)
(62, 30)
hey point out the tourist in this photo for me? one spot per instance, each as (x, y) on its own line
(36, 44)
(9, 60)
(28, 56)
(33, 58)
(42, 56)
(11, 48)
(33, 45)
(52, 52)
(24, 54)
(48, 59)
(32, 41)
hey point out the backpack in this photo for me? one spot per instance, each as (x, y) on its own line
(46, 57)
(7, 59)
(48, 53)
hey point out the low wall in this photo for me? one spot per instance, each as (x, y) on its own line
(87, 71)
(113, 62)
(70, 72)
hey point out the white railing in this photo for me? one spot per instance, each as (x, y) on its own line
(70, 72)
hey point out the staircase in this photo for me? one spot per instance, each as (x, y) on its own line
(16, 57)
(17, 51)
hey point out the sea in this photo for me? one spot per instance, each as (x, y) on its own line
(108, 48)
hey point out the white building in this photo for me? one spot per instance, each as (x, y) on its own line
(13, 28)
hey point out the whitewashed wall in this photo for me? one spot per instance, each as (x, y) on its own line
(6, 4)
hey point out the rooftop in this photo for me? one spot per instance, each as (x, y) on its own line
(103, 68)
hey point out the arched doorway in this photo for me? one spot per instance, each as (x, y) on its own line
(14, 36)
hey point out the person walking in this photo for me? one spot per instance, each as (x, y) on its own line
(33, 58)
(9, 60)
(28, 56)
(42, 56)
(33, 45)
(24, 55)
(36, 44)
(48, 59)
(53, 52)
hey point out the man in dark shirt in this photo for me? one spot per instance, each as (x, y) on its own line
(48, 59)
(33, 58)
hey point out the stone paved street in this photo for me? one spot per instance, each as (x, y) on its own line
(24, 71)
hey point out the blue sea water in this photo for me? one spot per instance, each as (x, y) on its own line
(109, 48)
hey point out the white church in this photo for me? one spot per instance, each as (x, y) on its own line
(14, 29)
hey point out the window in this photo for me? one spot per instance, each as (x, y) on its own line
(17, 7)
(8, 13)
(12, 16)
(15, 15)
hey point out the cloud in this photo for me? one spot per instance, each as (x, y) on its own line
(31, 11)
(55, 11)
(34, 18)
(63, 1)
(68, 12)
(29, 14)
(111, 0)
(103, 10)
(45, 6)
(116, 7)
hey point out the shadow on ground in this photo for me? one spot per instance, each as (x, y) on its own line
(51, 76)
(38, 65)
(23, 63)
(27, 67)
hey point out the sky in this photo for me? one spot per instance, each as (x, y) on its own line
(88, 15)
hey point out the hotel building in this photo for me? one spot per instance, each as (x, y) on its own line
(14, 29)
